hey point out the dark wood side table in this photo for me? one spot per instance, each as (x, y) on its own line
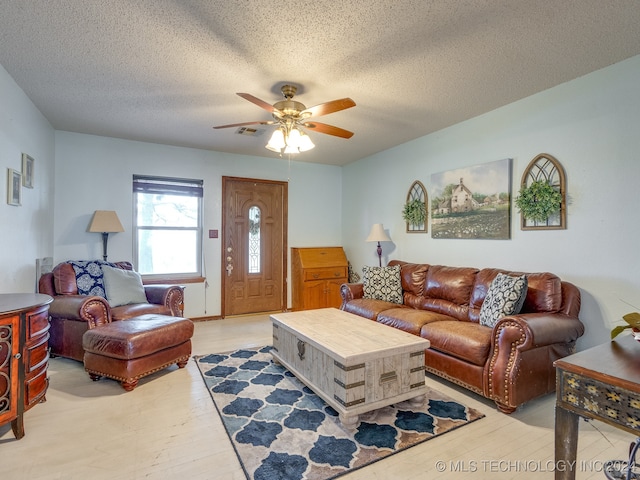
(600, 383)
(24, 356)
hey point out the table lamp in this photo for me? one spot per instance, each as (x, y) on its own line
(105, 222)
(378, 235)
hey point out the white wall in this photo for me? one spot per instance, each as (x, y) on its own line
(592, 126)
(95, 173)
(26, 230)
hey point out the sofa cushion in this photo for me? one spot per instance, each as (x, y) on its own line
(505, 297)
(382, 283)
(409, 319)
(123, 287)
(412, 275)
(125, 312)
(465, 340)
(64, 279)
(450, 283)
(544, 293)
(368, 307)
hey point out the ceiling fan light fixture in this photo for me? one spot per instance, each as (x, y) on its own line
(305, 143)
(290, 116)
(277, 141)
(290, 149)
(293, 139)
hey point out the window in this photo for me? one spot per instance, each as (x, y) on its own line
(168, 225)
(254, 239)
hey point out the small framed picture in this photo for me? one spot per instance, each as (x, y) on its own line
(27, 171)
(14, 183)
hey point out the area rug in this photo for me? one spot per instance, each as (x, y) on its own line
(281, 430)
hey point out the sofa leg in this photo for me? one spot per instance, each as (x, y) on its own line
(128, 386)
(182, 363)
(505, 408)
(94, 376)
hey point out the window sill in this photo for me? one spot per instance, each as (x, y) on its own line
(171, 279)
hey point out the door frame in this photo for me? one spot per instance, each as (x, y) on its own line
(285, 230)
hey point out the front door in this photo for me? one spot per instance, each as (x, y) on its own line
(254, 246)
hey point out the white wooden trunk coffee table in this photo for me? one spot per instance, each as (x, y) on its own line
(354, 364)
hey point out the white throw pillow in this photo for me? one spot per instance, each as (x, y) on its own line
(383, 283)
(123, 287)
(506, 296)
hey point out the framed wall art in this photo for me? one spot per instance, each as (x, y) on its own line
(548, 211)
(472, 202)
(27, 170)
(14, 183)
(414, 212)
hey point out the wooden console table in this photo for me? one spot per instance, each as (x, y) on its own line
(601, 383)
(24, 356)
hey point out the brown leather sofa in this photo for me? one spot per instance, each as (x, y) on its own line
(72, 314)
(510, 363)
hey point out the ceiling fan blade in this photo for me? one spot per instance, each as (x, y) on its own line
(330, 107)
(261, 103)
(245, 123)
(328, 129)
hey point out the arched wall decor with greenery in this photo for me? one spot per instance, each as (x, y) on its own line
(541, 207)
(414, 211)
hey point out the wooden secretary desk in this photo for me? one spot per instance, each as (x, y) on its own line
(317, 274)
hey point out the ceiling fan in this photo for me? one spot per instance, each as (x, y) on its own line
(290, 115)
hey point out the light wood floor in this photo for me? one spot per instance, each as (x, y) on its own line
(168, 428)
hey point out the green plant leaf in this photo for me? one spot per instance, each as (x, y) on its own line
(633, 319)
(618, 330)
(415, 212)
(539, 201)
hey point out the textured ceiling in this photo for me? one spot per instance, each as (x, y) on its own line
(166, 71)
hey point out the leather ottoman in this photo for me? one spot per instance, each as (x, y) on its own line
(127, 350)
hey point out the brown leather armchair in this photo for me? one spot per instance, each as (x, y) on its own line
(72, 314)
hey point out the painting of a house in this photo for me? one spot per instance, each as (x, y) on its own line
(462, 199)
(476, 205)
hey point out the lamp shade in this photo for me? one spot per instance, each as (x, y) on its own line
(105, 221)
(378, 234)
(276, 142)
(305, 143)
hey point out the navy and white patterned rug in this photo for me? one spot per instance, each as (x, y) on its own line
(281, 430)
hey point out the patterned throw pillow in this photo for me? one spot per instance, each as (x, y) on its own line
(383, 283)
(354, 277)
(89, 277)
(506, 296)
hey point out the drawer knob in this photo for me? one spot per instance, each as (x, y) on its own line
(301, 349)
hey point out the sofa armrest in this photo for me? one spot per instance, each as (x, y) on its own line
(171, 296)
(90, 309)
(351, 291)
(523, 349)
(543, 329)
